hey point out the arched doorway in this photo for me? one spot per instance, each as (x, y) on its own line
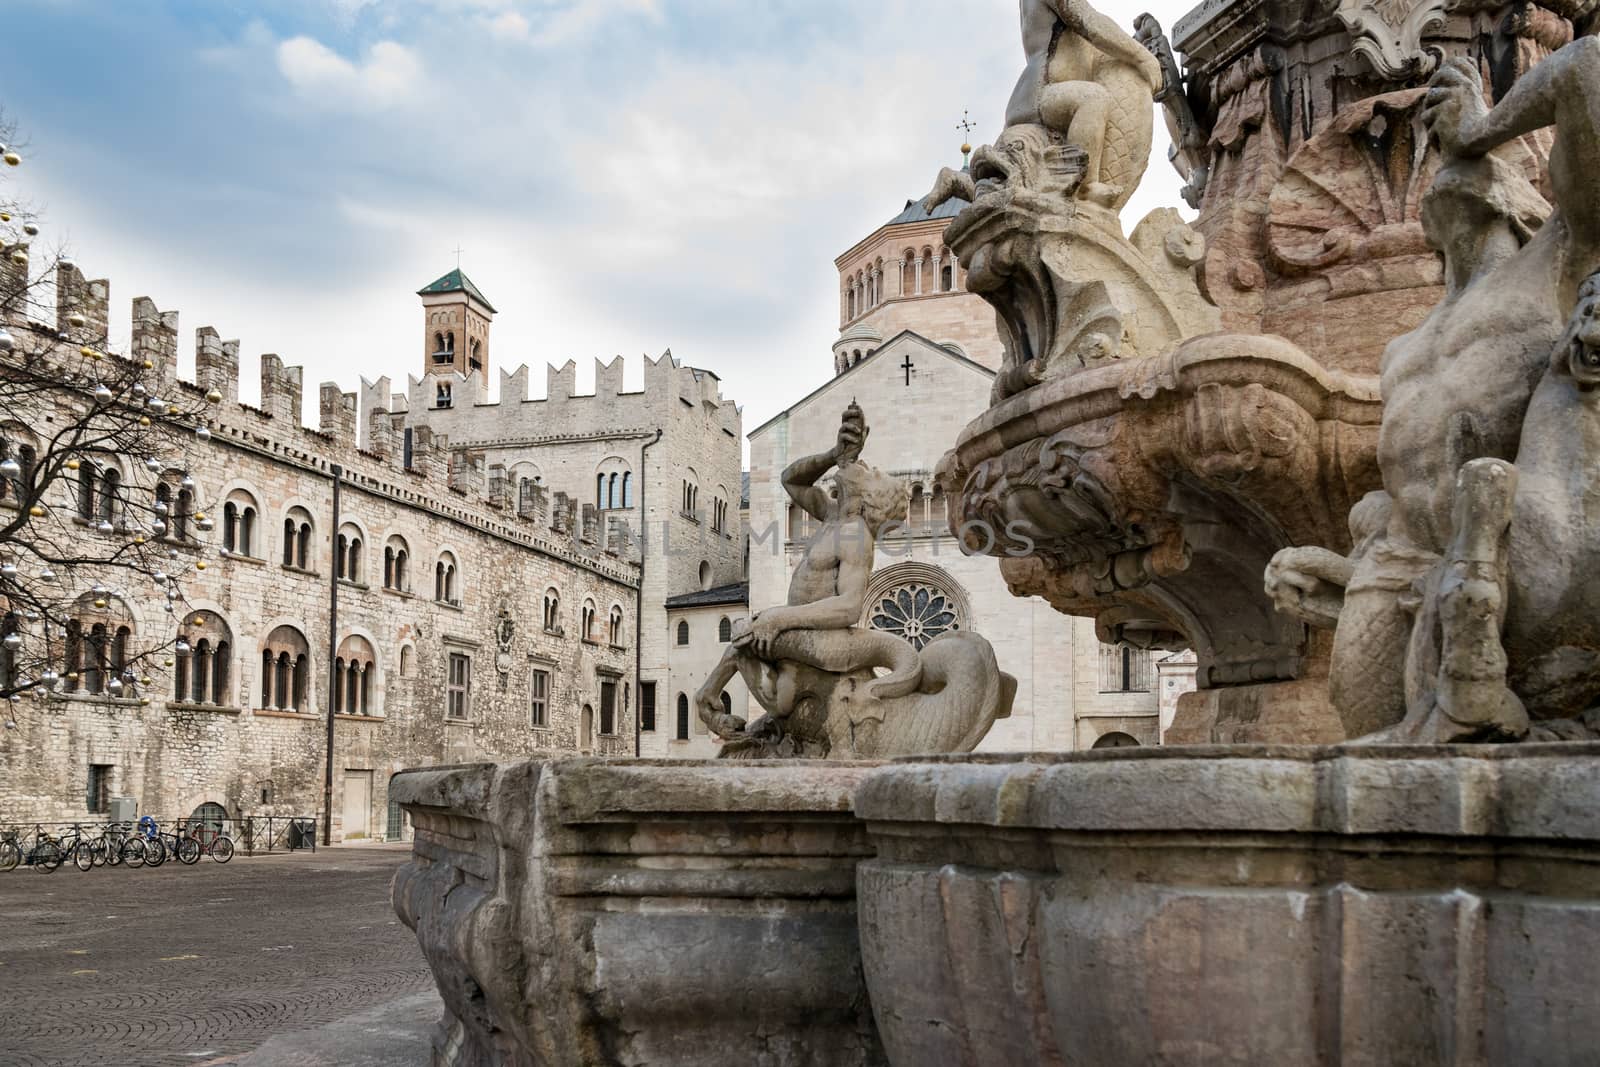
(586, 730)
(1116, 739)
(212, 818)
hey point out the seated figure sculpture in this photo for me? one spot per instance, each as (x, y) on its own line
(815, 671)
(1467, 610)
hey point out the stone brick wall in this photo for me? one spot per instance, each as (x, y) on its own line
(172, 756)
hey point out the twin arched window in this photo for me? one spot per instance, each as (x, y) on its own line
(18, 445)
(98, 648)
(552, 611)
(239, 514)
(447, 580)
(347, 553)
(614, 627)
(587, 620)
(297, 539)
(174, 506)
(396, 558)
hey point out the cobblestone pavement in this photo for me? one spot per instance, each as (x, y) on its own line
(189, 964)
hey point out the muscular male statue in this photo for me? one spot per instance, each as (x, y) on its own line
(1085, 77)
(816, 671)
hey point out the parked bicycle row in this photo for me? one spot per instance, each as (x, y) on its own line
(123, 844)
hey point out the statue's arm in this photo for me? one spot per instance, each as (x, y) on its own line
(1111, 39)
(800, 482)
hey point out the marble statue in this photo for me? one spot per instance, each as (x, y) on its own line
(1467, 610)
(814, 669)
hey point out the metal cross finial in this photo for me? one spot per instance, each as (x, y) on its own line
(966, 125)
(459, 250)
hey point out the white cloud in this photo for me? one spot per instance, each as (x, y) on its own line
(511, 26)
(389, 74)
(567, 22)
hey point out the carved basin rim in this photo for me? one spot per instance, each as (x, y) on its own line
(1534, 791)
(590, 788)
(1105, 391)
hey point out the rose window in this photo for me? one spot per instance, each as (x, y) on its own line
(917, 612)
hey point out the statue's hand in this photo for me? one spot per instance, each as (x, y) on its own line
(1308, 584)
(763, 632)
(1453, 111)
(852, 436)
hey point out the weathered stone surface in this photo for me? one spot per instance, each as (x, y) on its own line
(595, 912)
(1234, 905)
(1466, 610)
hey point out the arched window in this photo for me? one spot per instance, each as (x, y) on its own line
(354, 677)
(683, 632)
(408, 661)
(705, 574)
(725, 629)
(600, 491)
(1115, 739)
(552, 611)
(916, 602)
(612, 484)
(239, 513)
(614, 627)
(86, 482)
(17, 443)
(446, 580)
(475, 353)
(98, 647)
(347, 553)
(182, 509)
(204, 662)
(627, 489)
(682, 732)
(587, 620)
(947, 272)
(1125, 669)
(586, 729)
(285, 670)
(396, 558)
(297, 528)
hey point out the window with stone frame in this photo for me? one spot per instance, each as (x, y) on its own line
(203, 661)
(682, 731)
(683, 632)
(97, 795)
(18, 446)
(458, 687)
(647, 707)
(539, 686)
(348, 555)
(397, 565)
(285, 682)
(355, 670)
(1125, 669)
(586, 622)
(724, 629)
(447, 580)
(298, 528)
(614, 621)
(97, 648)
(552, 611)
(240, 520)
(608, 707)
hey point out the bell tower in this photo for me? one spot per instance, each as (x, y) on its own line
(455, 327)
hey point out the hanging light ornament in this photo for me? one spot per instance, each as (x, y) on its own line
(172, 594)
(19, 257)
(76, 320)
(151, 463)
(10, 468)
(158, 528)
(7, 342)
(89, 352)
(181, 648)
(71, 464)
(155, 403)
(47, 575)
(104, 526)
(12, 159)
(159, 577)
(31, 229)
(187, 483)
(37, 511)
(213, 397)
(115, 686)
(203, 432)
(48, 679)
(102, 394)
(8, 570)
(12, 642)
(144, 420)
(139, 389)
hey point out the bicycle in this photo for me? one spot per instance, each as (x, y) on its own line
(149, 846)
(219, 847)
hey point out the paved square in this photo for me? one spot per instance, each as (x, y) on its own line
(197, 964)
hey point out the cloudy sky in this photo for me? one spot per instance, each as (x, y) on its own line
(625, 176)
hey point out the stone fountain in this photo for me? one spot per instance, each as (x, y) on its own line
(1338, 435)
